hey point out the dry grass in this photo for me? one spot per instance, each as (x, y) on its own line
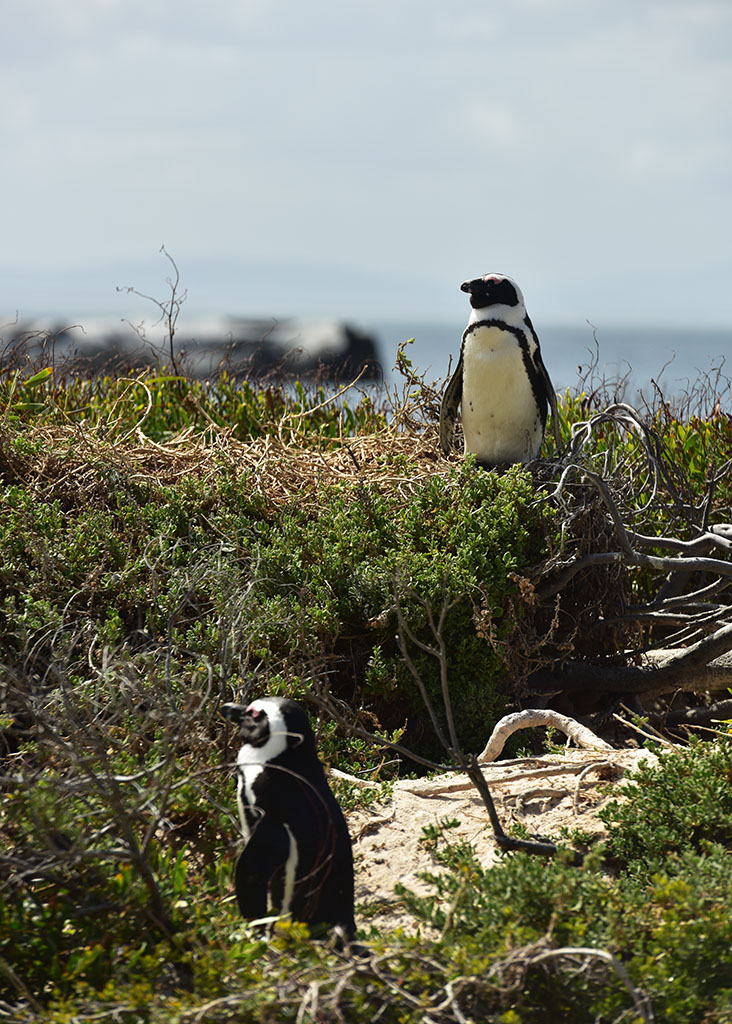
(286, 463)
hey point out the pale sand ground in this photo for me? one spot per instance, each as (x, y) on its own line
(544, 793)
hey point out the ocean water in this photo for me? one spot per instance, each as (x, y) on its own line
(677, 359)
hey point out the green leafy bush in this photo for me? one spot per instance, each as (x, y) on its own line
(206, 566)
(683, 808)
(163, 405)
(512, 942)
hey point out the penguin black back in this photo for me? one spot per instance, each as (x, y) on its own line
(297, 859)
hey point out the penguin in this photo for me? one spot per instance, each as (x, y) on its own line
(500, 379)
(297, 859)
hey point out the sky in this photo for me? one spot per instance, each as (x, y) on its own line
(334, 158)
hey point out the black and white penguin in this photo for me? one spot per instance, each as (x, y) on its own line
(297, 859)
(500, 379)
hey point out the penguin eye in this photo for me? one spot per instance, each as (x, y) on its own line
(254, 712)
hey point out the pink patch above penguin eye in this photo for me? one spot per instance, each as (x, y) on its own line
(254, 712)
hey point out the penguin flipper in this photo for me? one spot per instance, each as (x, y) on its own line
(257, 867)
(449, 407)
(551, 398)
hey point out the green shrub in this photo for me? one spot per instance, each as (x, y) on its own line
(684, 807)
(490, 934)
(163, 405)
(207, 567)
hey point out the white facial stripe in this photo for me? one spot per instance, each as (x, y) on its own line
(276, 743)
(251, 760)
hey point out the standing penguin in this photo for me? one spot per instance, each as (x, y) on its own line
(500, 378)
(297, 859)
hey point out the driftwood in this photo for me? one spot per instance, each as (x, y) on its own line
(506, 727)
(531, 718)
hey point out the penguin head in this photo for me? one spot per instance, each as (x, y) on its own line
(270, 726)
(494, 290)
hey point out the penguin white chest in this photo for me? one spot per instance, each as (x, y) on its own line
(501, 418)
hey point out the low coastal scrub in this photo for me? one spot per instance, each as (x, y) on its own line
(167, 544)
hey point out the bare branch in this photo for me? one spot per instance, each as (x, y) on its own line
(530, 719)
(405, 634)
(705, 665)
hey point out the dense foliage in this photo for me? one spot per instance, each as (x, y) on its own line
(168, 544)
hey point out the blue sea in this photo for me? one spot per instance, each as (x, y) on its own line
(579, 357)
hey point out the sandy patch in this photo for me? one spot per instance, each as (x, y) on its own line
(544, 793)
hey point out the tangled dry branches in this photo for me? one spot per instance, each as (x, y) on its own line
(683, 634)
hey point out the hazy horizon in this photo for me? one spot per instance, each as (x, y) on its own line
(108, 292)
(361, 160)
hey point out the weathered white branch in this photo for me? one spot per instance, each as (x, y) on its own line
(531, 718)
(635, 558)
(716, 537)
(353, 779)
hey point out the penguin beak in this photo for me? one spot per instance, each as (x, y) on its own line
(234, 712)
(237, 712)
(467, 286)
